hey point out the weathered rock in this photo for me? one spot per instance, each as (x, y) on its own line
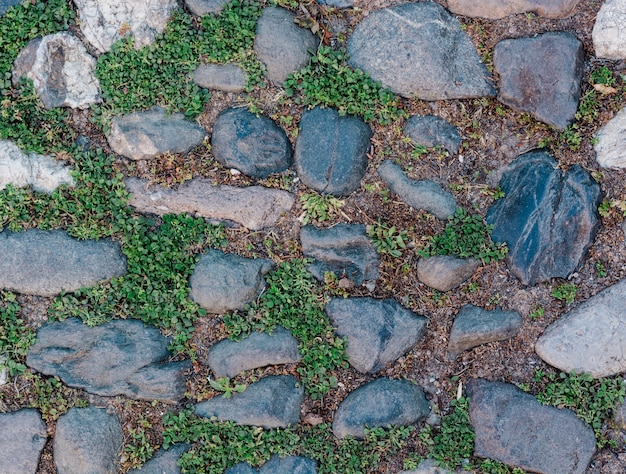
(611, 146)
(380, 403)
(344, 250)
(22, 438)
(202, 197)
(221, 77)
(272, 402)
(337, 3)
(6, 4)
(547, 218)
(431, 131)
(163, 462)
(513, 428)
(20, 169)
(202, 7)
(331, 151)
(609, 41)
(541, 75)
(120, 357)
(396, 47)
(590, 338)
(277, 465)
(495, 9)
(145, 135)
(425, 194)
(619, 416)
(229, 358)
(445, 272)
(61, 70)
(281, 45)
(256, 146)
(377, 331)
(474, 326)
(47, 262)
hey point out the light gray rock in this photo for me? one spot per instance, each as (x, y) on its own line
(202, 7)
(431, 131)
(47, 262)
(221, 77)
(278, 465)
(495, 9)
(611, 146)
(163, 462)
(338, 3)
(609, 41)
(22, 438)
(445, 272)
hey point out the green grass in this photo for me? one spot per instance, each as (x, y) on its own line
(15, 337)
(319, 207)
(388, 240)
(565, 292)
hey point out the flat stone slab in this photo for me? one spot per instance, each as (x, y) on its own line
(277, 465)
(48, 262)
(395, 46)
(201, 197)
(272, 402)
(495, 9)
(120, 357)
(445, 272)
(22, 439)
(432, 131)
(611, 146)
(609, 41)
(512, 427)
(377, 331)
(163, 461)
(590, 338)
(221, 77)
(202, 7)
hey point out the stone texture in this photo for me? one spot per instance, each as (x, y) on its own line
(429, 466)
(6, 4)
(145, 135)
(201, 197)
(591, 337)
(253, 144)
(221, 77)
(445, 272)
(331, 151)
(278, 465)
(541, 75)
(611, 146)
(163, 461)
(47, 262)
(120, 357)
(202, 7)
(338, 3)
(431, 131)
(395, 46)
(547, 218)
(609, 41)
(495, 9)
(380, 403)
(272, 402)
(513, 428)
(22, 438)
(61, 70)
(377, 331)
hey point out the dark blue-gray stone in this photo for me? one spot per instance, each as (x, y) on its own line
(337, 3)
(22, 439)
(277, 465)
(163, 462)
(431, 131)
(6, 4)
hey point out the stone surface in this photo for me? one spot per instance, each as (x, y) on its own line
(380, 403)
(338, 3)
(202, 7)
(61, 70)
(6, 4)
(428, 466)
(272, 402)
(513, 428)
(395, 46)
(424, 194)
(47, 262)
(145, 135)
(281, 45)
(611, 146)
(445, 272)
(120, 357)
(591, 337)
(277, 465)
(547, 218)
(88, 440)
(431, 131)
(474, 326)
(331, 151)
(21, 169)
(495, 9)
(344, 250)
(221, 77)
(163, 461)
(201, 197)
(253, 144)
(229, 358)
(541, 75)
(609, 41)
(377, 331)
(22, 438)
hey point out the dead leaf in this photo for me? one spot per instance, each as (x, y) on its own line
(604, 90)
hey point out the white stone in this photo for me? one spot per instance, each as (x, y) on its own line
(609, 30)
(611, 146)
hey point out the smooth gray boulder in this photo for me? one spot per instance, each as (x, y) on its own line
(512, 427)
(22, 439)
(203, 7)
(609, 41)
(163, 461)
(6, 4)
(380, 403)
(377, 331)
(272, 402)
(48, 262)
(495, 9)
(395, 46)
(120, 357)
(88, 440)
(221, 77)
(277, 465)
(445, 272)
(431, 131)
(611, 142)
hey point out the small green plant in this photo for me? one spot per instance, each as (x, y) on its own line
(418, 151)
(601, 269)
(603, 75)
(537, 313)
(387, 239)
(587, 109)
(571, 135)
(604, 208)
(319, 207)
(223, 385)
(565, 292)
(52, 398)
(138, 448)
(15, 337)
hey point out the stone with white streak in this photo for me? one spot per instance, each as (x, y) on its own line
(611, 146)
(609, 38)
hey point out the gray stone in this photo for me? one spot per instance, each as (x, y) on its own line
(61, 70)
(620, 416)
(331, 151)
(256, 146)
(272, 402)
(277, 465)
(202, 197)
(547, 218)
(337, 3)
(425, 194)
(513, 428)
(445, 272)
(377, 331)
(429, 466)
(541, 75)
(495, 9)
(590, 338)
(474, 326)
(431, 131)
(164, 461)
(344, 250)
(281, 45)
(380, 403)
(145, 135)
(221, 77)
(202, 7)
(6, 4)
(120, 357)
(88, 440)
(229, 358)
(22, 438)
(611, 146)
(396, 47)
(47, 262)
(609, 41)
